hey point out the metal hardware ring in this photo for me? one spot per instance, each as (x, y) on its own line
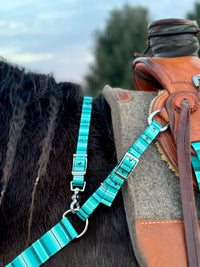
(86, 221)
(151, 117)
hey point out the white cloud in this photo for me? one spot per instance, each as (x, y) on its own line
(71, 58)
(20, 58)
(56, 35)
(9, 24)
(30, 57)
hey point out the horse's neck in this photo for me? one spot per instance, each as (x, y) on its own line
(53, 195)
(53, 190)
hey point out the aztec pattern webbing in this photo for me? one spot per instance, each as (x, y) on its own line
(80, 158)
(47, 246)
(108, 190)
(63, 233)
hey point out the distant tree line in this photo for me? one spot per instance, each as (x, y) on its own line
(125, 33)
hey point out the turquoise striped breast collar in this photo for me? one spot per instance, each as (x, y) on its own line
(63, 232)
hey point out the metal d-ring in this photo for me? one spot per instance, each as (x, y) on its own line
(150, 118)
(86, 221)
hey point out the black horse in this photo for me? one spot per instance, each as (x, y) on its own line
(39, 121)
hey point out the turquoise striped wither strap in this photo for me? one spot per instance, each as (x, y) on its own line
(108, 190)
(80, 157)
(62, 233)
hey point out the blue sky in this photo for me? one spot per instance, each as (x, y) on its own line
(57, 36)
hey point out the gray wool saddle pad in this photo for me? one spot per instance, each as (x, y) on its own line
(152, 191)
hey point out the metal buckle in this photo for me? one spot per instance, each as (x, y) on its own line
(119, 165)
(72, 188)
(74, 158)
(196, 79)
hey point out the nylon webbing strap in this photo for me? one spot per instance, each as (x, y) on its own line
(47, 246)
(196, 161)
(80, 158)
(63, 233)
(108, 190)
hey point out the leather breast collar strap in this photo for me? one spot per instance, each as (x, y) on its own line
(63, 232)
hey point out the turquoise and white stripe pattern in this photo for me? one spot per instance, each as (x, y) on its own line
(63, 233)
(47, 246)
(196, 161)
(108, 190)
(80, 158)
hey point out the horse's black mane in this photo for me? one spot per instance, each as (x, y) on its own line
(39, 121)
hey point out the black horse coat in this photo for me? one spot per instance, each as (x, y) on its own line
(39, 129)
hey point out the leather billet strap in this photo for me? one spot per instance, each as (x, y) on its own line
(186, 186)
(183, 113)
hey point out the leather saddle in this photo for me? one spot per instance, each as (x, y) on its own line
(173, 78)
(178, 102)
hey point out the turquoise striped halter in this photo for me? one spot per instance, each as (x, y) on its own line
(63, 232)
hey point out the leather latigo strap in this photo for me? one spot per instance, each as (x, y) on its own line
(182, 110)
(186, 186)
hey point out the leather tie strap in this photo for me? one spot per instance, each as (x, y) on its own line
(186, 186)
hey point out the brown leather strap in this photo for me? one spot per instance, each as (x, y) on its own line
(170, 106)
(187, 195)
